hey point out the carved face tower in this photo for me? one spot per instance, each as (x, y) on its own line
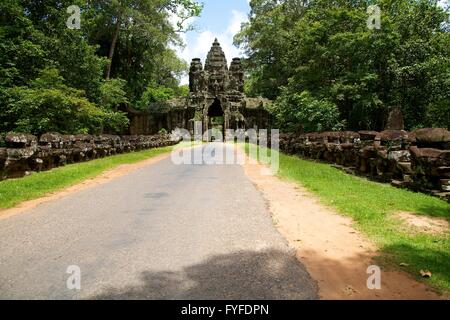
(216, 92)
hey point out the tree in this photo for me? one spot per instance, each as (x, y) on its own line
(325, 48)
(113, 94)
(48, 105)
(182, 91)
(139, 27)
(266, 41)
(298, 112)
(155, 95)
(130, 39)
(22, 53)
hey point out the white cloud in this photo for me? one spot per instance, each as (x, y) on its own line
(236, 21)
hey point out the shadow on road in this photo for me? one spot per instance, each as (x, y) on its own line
(246, 275)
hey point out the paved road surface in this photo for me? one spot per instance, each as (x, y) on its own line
(162, 232)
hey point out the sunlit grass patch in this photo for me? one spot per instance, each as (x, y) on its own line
(38, 184)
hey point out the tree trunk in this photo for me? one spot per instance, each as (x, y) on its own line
(112, 48)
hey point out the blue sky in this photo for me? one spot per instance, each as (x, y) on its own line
(220, 19)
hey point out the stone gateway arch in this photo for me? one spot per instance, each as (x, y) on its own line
(217, 92)
(216, 99)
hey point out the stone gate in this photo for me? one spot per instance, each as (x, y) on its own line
(216, 91)
(216, 98)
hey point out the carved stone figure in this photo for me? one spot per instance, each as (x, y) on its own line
(217, 85)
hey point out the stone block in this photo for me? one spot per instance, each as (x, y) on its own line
(20, 140)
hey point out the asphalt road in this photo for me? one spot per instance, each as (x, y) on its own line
(165, 231)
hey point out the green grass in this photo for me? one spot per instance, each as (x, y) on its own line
(373, 207)
(14, 191)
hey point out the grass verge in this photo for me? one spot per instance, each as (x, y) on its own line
(14, 191)
(373, 206)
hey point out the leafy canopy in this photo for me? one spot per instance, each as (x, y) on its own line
(53, 78)
(326, 49)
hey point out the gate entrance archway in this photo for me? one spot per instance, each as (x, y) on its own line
(216, 120)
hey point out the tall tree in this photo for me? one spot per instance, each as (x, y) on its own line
(44, 65)
(325, 49)
(139, 25)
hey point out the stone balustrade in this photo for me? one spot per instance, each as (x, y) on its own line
(21, 154)
(418, 160)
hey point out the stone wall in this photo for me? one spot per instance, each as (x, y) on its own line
(418, 160)
(21, 154)
(152, 123)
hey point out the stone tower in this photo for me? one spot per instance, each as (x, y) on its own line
(216, 99)
(216, 92)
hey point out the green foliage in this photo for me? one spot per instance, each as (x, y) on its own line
(182, 91)
(113, 93)
(71, 94)
(143, 31)
(374, 206)
(114, 121)
(438, 114)
(324, 47)
(155, 96)
(302, 112)
(184, 10)
(21, 50)
(48, 105)
(69, 51)
(158, 94)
